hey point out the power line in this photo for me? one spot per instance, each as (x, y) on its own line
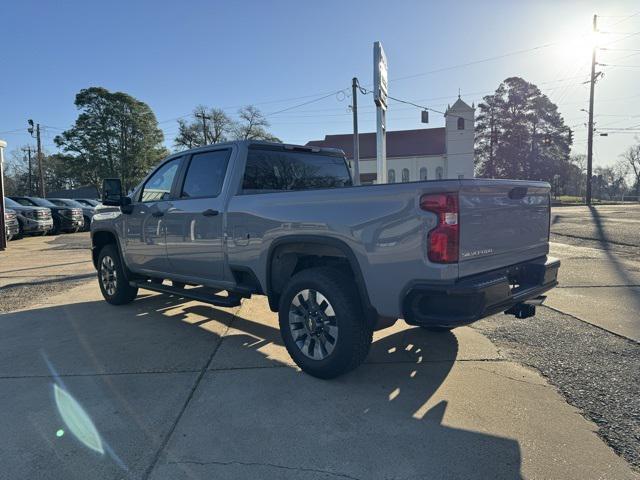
(475, 62)
(306, 103)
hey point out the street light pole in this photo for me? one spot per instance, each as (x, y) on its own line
(590, 127)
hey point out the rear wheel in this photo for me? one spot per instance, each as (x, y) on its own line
(112, 279)
(322, 323)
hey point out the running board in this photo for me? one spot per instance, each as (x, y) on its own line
(232, 300)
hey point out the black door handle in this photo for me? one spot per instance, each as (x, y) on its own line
(210, 213)
(158, 213)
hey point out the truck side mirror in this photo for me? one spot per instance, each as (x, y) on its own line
(112, 192)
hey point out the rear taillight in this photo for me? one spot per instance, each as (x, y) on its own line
(443, 240)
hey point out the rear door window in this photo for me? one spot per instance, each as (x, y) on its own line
(278, 170)
(205, 174)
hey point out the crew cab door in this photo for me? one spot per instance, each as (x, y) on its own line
(194, 223)
(145, 243)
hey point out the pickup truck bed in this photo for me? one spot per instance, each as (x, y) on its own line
(336, 261)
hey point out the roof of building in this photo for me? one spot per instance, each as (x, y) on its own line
(459, 106)
(401, 143)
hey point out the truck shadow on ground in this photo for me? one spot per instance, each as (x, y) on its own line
(375, 422)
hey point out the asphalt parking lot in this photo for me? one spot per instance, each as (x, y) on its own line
(170, 388)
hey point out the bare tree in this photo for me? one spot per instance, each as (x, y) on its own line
(631, 158)
(209, 125)
(253, 125)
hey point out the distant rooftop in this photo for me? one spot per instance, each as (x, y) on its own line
(401, 143)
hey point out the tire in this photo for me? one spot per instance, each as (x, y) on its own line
(437, 329)
(87, 224)
(314, 327)
(55, 230)
(112, 279)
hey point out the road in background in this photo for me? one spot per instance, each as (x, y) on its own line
(600, 274)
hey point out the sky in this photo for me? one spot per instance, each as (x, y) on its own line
(300, 56)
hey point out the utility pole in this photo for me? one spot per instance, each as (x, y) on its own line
(356, 137)
(3, 235)
(590, 132)
(28, 150)
(39, 156)
(204, 118)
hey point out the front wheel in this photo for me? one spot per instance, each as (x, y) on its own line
(322, 323)
(111, 277)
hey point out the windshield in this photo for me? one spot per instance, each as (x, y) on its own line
(11, 203)
(41, 202)
(66, 202)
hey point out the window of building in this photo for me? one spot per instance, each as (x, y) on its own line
(405, 174)
(205, 174)
(460, 123)
(423, 173)
(391, 176)
(276, 170)
(158, 187)
(439, 173)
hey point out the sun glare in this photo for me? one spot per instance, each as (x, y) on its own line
(578, 47)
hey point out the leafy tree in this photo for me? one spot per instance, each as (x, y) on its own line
(115, 135)
(521, 134)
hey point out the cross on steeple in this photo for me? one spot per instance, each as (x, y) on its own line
(458, 92)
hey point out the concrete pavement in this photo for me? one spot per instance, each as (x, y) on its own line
(42, 259)
(165, 388)
(600, 273)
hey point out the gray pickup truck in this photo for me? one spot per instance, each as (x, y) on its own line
(336, 261)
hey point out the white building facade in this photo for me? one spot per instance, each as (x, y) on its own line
(421, 154)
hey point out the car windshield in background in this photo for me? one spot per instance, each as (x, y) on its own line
(277, 170)
(41, 202)
(66, 202)
(11, 203)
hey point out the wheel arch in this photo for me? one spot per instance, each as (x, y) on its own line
(293, 253)
(101, 238)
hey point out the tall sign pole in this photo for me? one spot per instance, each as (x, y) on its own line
(380, 98)
(3, 232)
(590, 132)
(356, 138)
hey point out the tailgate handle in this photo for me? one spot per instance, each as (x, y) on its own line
(517, 193)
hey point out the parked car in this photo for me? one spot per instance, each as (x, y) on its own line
(65, 219)
(31, 220)
(11, 224)
(87, 210)
(335, 261)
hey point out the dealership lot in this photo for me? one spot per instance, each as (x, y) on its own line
(171, 388)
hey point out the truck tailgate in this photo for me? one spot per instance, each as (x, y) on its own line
(502, 222)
